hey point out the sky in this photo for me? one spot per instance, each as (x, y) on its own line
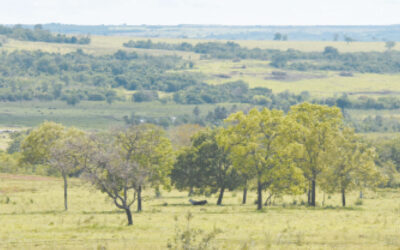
(225, 12)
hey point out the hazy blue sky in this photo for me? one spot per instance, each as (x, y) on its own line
(235, 12)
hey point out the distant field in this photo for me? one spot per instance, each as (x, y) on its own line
(99, 46)
(31, 216)
(91, 115)
(109, 44)
(318, 83)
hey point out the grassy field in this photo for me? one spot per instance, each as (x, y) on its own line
(318, 83)
(31, 216)
(110, 44)
(91, 115)
(256, 73)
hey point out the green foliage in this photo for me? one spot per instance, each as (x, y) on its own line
(205, 166)
(350, 164)
(78, 76)
(36, 146)
(317, 126)
(262, 150)
(147, 146)
(329, 59)
(192, 239)
(38, 34)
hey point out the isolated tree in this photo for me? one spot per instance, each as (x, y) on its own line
(259, 148)
(196, 111)
(348, 39)
(64, 156)
(52, 144)
(336, 37)
(351, 164)
(36, 146)
(147, 147)
(317, 127)
(390, 45)
(109, 169)
(277, 36)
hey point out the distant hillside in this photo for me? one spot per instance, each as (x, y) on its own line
(297, 33)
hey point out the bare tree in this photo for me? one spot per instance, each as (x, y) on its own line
(64, 158)
(106, 167)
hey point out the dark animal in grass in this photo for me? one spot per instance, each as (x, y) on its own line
(198, 203)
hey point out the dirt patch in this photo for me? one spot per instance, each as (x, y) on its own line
(26, 177)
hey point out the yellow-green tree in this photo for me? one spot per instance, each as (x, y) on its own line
(260, 148)
(316, 128)
(148, 147)
(54, 145)
(351, 164)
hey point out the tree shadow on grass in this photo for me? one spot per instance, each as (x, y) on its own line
(104, 212)
(36, 212)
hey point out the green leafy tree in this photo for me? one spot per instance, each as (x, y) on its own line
(52, 144)
(390, 45)
(215, 162)
(205, 166)
(317, 126)
(147, 146)
(110, 170)
(186, 173)
(260, 148)
(350, 165)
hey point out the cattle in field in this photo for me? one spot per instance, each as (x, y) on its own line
(198, 203)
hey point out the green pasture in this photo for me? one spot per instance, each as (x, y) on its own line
(92, 115)
(318, 83)
(32, 217)
(110, 44)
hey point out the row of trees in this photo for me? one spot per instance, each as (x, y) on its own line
(38, 34)
(120, 163)
(265, 150)
(329, 59)
(278, 153)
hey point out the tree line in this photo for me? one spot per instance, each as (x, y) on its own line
(38, 34)
(262, 150)
(329, 59)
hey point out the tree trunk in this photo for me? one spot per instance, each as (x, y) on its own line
(129, 215)
(259, 195)
(268, 200)
(139, 201)
(309, 194)
(343, 197)
(190, 191)
(244, 195)
(221, 195)
(313, 192)
(65, 192)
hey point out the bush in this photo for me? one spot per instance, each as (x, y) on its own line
(145, 96)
